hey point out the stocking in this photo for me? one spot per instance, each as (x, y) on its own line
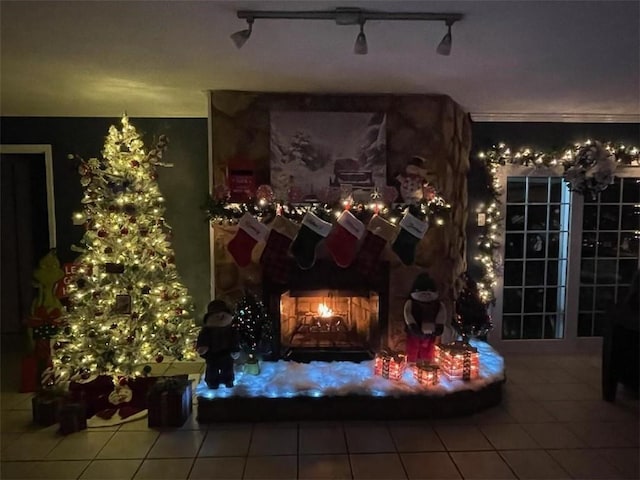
(250, 232)
(379, 232)
(303, 247)
(275, 260)
(343, 239)
(411, 232)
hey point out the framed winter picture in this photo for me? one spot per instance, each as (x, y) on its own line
(123, 305)
(327, 155)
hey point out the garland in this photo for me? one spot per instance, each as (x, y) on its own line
(221, 211)
(588, 167)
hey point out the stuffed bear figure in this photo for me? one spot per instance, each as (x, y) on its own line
(425, 318)
(218, 344)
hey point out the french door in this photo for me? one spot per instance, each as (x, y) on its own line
(567, 259)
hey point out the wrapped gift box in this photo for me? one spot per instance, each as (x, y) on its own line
(390, 365)
(73, 418)
(426, 374)
(170, 402)
(46, 409)
(458, 360)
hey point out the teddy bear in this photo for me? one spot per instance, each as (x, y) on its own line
(218, 344)
(425, 319)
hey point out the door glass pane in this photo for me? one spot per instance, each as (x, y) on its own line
(536, 234)
(610, 252)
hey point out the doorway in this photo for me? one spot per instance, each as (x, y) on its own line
(28, 226)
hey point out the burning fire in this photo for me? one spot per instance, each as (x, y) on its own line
(324, 311)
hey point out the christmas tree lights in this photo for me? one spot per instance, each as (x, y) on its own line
(127, 304)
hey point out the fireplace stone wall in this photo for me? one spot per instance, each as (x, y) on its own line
(431, 126)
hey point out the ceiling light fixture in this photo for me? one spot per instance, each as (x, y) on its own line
(240, 37)
(360, 47)
(349, 16)
(444, 48)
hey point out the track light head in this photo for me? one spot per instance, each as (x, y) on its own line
(360, 47)
(240, 37)
(444, 48)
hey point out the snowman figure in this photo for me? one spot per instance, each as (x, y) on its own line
(413, 180)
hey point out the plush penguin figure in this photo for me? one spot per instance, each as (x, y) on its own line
(425, 317)
(218, 344)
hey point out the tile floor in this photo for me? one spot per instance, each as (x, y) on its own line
(551, 424)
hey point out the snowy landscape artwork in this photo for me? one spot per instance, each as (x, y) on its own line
(321, 155)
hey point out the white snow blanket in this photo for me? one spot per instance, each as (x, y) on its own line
(283, 379)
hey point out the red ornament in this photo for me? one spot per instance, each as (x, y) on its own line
(178, 311)
(122, 381)
(98, 313)
(264, 193)
(124, 230)
(154, 176)
(108, 250)
(171, 259)
(130, 339)
(135, 163)
(173, 339)
(135, 315)
(102, 233)
(132, 220)
(159, 358)
(114, 326)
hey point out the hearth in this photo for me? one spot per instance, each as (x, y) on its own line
(329, 313)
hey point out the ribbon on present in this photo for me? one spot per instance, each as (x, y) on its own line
(459, 360)
(426, 373)
(389, 364)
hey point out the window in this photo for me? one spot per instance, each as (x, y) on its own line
(609, 252)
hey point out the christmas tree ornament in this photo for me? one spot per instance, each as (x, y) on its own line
(303, 247)
(265, 195)
(412, 229)
(275, 261)
(250, 232)
(379, 233)
(342, 242)
(159, 358)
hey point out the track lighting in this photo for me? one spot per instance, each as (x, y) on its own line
(240, 37)
(360, 47)
(445, 45)
(349, 16)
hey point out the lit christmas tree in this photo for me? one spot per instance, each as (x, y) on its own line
(253, 325)
(472, 319)
(127, 305)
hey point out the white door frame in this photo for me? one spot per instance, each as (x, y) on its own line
(48, 165)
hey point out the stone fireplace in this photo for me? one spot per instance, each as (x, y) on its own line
(329, 313)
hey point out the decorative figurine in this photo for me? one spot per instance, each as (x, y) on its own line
(218, 344)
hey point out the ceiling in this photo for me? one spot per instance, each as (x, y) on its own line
(511, 60)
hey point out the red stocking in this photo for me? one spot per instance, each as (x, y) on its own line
(250, 232)
(343, 239)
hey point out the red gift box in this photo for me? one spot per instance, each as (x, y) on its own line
(170, 402)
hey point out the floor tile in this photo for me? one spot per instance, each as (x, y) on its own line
(226, 441)
(273, 440)
(15, 401)
(324, 466)
(7, 439)
(111, 470)
(125, 445)
(529, 411)
(462, 437)
(283, 467)
(372, 438)
(54, 470)
(625, 460)
(83, 445)
(508, 437)
(17, 421)
(415, 438)
(569, 410)
(496, 415)
(481, 465)
(429, 465)
(329, 439)
(584, 464)
(31, 446)
(166, 468)
(173, 444)
(223, 468)
(553, 435)
(533, 464)
(385, 466)
(140, 425)
(604, 434)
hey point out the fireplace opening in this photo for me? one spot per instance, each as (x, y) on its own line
(328, 319)
(328, 313)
